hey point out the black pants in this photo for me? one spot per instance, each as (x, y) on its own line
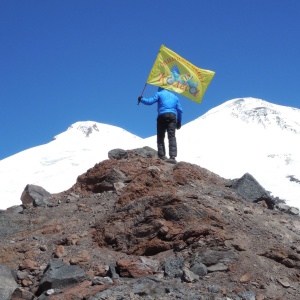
(166, 123)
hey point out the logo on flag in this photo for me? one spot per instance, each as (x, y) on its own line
(173, 72)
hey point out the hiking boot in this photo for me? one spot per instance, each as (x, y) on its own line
(162, 157)
(171, 160)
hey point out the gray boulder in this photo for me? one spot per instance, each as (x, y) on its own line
(145, 152)
(288, 209)
(34, 195)
(110, 182)
(249, 189)
(173, 267)
(199, 269)
(60, 275)
(7, 282)
(117, 154)
(209, 257)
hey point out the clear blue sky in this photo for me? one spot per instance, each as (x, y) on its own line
(63, 61)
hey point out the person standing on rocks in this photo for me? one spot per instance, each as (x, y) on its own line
(168, 120)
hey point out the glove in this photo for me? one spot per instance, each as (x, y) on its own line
(178, 125)
(139, 99)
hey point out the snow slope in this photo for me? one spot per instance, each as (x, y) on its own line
(56, 165)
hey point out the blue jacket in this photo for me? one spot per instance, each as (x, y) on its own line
(167, 102)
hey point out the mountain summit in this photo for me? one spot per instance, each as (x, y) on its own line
(263, 113)
(243, 135)
(136, 227)
(89, 130)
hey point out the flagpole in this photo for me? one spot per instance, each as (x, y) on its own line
(143, 91)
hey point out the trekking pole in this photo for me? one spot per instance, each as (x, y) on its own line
(143, 91)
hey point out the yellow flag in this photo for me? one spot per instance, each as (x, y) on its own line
(173, 72)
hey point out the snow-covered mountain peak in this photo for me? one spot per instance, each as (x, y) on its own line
(82, 129)
(93, 131)
(261, 113)
(87, 128)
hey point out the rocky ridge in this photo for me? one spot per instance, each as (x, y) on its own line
(136, 227)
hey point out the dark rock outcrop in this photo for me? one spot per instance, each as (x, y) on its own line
(249, 188)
